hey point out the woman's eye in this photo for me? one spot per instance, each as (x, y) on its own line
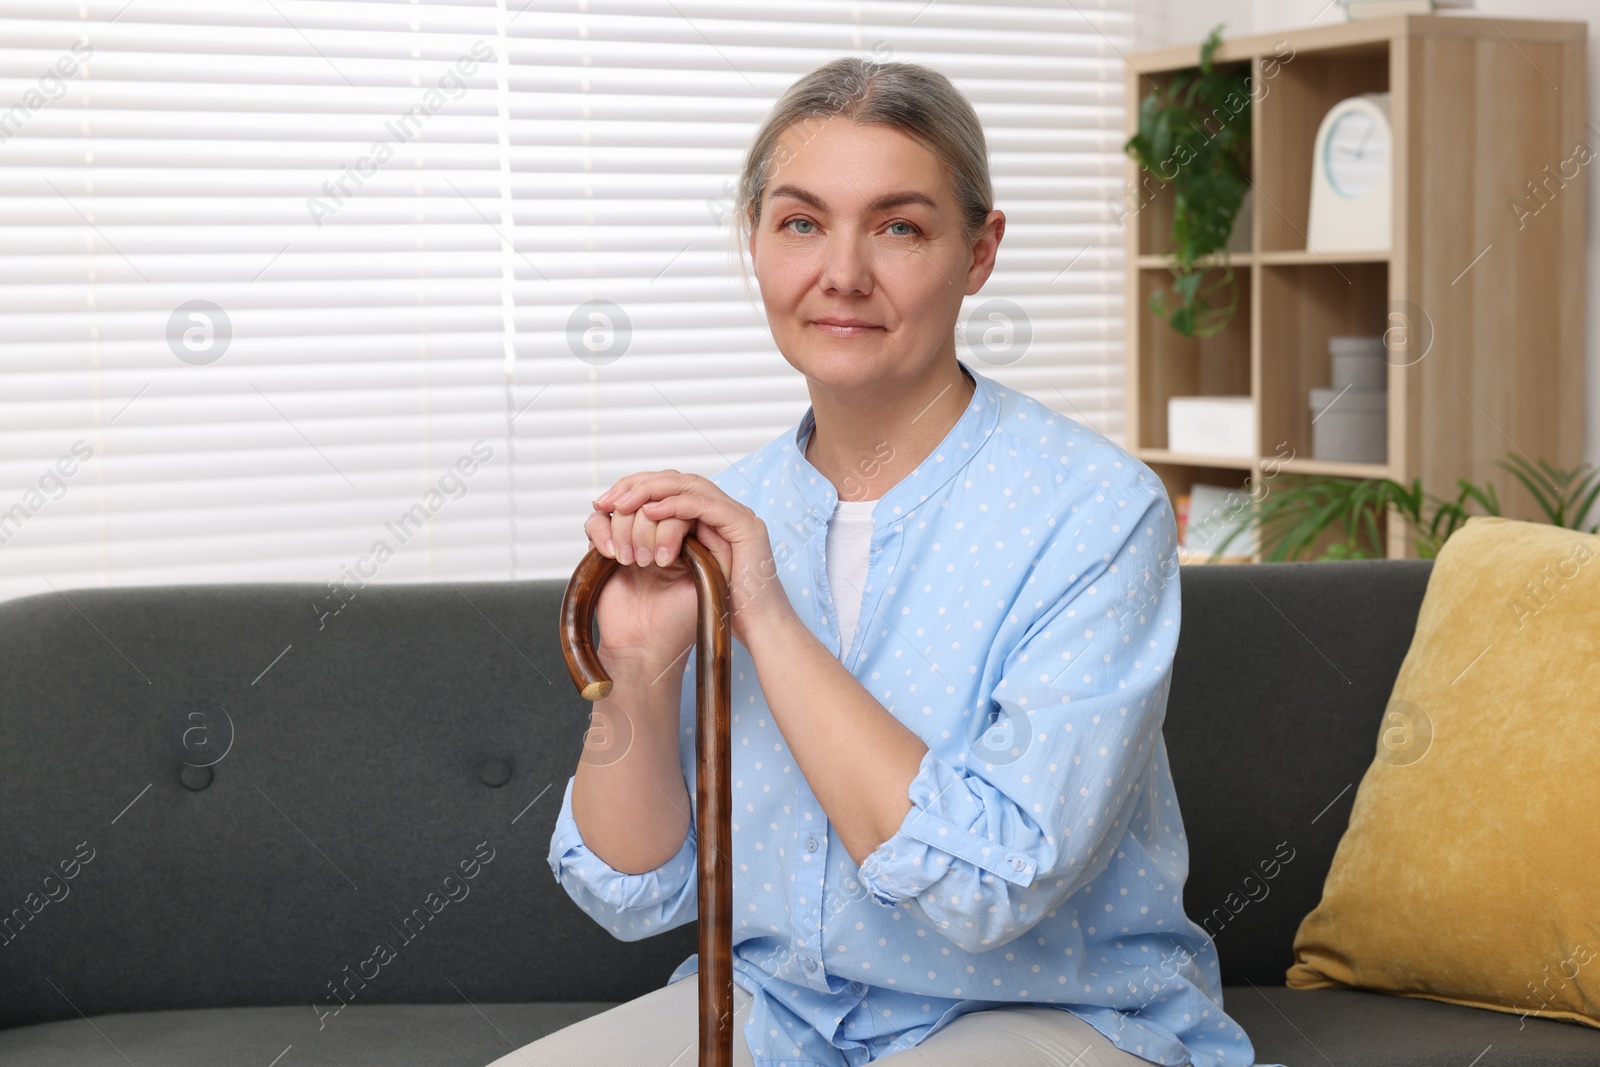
(795, 225)
(906, 232)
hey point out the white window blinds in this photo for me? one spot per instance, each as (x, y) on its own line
(365, 291)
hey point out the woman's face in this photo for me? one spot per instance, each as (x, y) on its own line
(862, 256)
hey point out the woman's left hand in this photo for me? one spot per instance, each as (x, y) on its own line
(735, 534)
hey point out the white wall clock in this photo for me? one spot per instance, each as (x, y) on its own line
(1352, 177)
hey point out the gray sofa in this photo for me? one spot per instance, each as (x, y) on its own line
(218, 800)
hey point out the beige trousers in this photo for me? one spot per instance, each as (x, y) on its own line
(661, 1029)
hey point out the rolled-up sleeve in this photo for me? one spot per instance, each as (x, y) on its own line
(631, 906)
(1033, 805)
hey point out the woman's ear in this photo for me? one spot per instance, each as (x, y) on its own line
(984, 250)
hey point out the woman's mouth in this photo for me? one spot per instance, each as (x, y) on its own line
(839, 327)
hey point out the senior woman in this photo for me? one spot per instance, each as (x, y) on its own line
(954, 614)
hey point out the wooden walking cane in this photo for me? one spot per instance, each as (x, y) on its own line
(713, 821)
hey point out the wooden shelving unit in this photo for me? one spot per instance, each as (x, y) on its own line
(1479, 109)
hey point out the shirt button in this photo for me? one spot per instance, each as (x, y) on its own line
(1018, 863)
(810, 966)
(811, 842)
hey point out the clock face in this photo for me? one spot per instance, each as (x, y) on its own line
(1356, 154)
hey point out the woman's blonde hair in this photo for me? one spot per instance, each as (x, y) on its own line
(916, 100)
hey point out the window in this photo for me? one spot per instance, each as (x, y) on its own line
(283, 283)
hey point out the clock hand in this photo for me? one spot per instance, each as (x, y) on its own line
(1361, 145)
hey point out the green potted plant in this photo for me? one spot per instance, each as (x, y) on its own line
(1194, 137)
(1294, 511)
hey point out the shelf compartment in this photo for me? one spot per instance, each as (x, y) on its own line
(1153, 221)
(1173, 365)
(1286, 121)
(1180, 478)
(1302, 306)
(1150, 198)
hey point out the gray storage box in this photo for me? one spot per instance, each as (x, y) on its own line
(1358, 362)
(1353, 428)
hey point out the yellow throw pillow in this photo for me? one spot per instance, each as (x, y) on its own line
(1470, 871)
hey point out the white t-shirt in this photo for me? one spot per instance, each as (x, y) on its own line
(849, 543)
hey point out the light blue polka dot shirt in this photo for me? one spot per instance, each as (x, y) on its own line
(1020, 613)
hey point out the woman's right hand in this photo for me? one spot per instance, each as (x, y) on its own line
(647, 613)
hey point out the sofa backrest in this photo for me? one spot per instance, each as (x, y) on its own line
(1279, 686)
(354, 788)
(230, 795)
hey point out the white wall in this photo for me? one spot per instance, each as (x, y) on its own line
(1167, 22)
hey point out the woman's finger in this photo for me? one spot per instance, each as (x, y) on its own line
(669, 540)
(622, 535)
(721, 550)
(626, 485)
(643, 549)
(655, 485)
(618, 487)
(597, 528)
(719, 512)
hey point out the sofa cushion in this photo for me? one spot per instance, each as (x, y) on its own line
(1345, 1027)
(372, 1035)
(1467, 871)
(1354, 1028)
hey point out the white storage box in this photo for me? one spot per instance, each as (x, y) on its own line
(1212, 425)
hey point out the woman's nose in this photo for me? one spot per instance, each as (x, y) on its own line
(846, 265)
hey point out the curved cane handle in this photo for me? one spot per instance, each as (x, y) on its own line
(713, 798)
